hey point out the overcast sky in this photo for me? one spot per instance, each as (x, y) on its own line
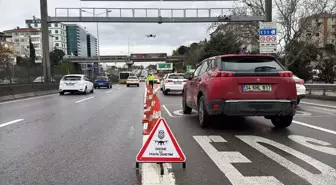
(114, 36)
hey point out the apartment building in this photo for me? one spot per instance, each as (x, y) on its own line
(20, 38)
(246, 32)
(92, 47)
(58, 33)
(319, 29)
(76, 40)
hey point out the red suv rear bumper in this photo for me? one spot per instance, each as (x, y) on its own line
(252, 107)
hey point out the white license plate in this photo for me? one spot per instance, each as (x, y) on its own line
(70, 84)
(177, 82)
(257, 88)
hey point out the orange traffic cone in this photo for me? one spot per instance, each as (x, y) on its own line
(154, 114)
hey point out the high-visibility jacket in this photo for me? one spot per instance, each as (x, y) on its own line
(150, 78)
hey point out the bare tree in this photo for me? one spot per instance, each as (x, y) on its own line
(299, 20)
(5, 59)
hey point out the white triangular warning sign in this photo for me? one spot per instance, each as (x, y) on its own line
(161, 146)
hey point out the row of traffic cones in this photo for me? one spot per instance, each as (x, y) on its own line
(152, 109)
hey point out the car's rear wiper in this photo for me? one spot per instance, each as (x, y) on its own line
(264, 68)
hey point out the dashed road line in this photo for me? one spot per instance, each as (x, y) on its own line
(10, 122)
(314, 127)
(84, 99)
(170, 114)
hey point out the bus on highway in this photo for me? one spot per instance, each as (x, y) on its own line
(124, 75)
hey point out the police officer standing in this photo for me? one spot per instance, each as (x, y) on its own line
(150, 79)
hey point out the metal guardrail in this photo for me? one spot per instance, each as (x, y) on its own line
(320, 87)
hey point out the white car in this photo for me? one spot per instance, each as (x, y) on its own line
(173, 83)
(132, 80)
(75, 83)
(300, 88)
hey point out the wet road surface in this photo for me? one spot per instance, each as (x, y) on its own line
(72, 139)
(93, 139)
(251, 151)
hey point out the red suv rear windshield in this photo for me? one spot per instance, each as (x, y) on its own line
(262, 64)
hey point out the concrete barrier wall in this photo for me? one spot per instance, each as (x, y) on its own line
(9, 92)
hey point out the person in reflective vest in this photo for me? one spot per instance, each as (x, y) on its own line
(150, 79)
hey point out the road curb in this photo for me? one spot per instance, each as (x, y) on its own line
(26, 95)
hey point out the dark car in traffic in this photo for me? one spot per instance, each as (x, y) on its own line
(102, 81)
(241, 85)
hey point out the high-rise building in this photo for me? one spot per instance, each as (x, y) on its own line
(92, 48)
(58, 33)
(21, 36)
(76, 40)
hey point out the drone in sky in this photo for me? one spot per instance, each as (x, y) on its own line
(151, 35)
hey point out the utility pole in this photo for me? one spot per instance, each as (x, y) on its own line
(268, 10)
(45, 41)
(98, 43)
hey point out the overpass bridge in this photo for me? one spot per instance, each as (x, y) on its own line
(140, 57)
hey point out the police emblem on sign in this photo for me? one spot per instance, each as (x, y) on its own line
(161, 134)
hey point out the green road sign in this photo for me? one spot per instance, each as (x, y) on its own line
(164, 66)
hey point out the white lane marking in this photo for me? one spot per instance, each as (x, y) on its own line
(33, 98)
(150, 172)
(317, 104)
(315, 127)
(180, 113)
(302, 113)
(323, 110)
(108, 91)
(167, 111)
(314, 144)
(327, 174)
(10, 122)
(156, 89)
(84, 99)
(224, 161)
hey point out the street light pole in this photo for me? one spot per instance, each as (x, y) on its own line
(98, 48)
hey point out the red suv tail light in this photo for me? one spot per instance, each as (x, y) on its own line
(167, 81)
(286, 74)
(222, 74)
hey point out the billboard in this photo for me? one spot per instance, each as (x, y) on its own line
(145, 56)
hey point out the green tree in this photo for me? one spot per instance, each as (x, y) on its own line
(221, 44)
(299, 61)
(56, 57)
(32, 54)
(182, 50)
(328, 64)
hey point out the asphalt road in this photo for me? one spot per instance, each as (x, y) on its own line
(93, 139)
(250, 151)
(72, 139)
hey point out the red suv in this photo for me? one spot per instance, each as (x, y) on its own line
(241, 85)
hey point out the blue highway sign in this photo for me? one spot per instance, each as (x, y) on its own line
(268, 32)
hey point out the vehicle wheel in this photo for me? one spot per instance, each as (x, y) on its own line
(98, 87)
(127, 85)
(92, 91)
(85, 91)
(161, 89)
(138, 85)
(203, 116)
(186, 109)
(61, 93)
(165, 92)
(298, 101)
(282, 121)
(111, 86)
(95, 87)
